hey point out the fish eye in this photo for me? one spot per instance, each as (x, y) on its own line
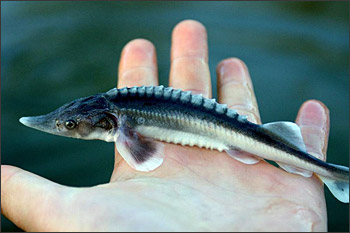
(70, 124)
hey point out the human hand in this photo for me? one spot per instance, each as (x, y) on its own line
(194, 189)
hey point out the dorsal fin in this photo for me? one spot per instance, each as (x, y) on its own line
(287, 132)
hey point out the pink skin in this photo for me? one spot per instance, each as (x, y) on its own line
(195, 189)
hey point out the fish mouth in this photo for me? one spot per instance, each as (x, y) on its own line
(41, 123)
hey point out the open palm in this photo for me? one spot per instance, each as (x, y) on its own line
(194, 189)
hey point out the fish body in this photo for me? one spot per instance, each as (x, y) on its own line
(138, 118)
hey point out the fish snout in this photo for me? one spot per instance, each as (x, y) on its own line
(42, 123)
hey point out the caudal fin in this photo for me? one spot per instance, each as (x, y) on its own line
(339, 188)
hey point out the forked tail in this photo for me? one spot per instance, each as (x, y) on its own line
(339, 187)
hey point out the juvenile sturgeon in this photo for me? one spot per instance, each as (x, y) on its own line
(138, 118)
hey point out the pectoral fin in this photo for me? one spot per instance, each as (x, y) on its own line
(142, 154)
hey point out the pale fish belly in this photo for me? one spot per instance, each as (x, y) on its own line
(223, 139)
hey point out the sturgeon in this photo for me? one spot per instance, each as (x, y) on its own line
(139, 119)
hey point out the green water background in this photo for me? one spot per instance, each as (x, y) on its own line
(54, 52)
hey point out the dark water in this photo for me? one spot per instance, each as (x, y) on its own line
(54, 52)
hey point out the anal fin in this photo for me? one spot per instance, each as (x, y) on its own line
(295, 170)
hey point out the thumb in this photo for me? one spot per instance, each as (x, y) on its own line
(30, 201)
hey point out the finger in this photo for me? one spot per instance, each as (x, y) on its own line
(235, 88)
(313, 120)
(189, 58)
(31, 202)
(137, 67)
(138, 64)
